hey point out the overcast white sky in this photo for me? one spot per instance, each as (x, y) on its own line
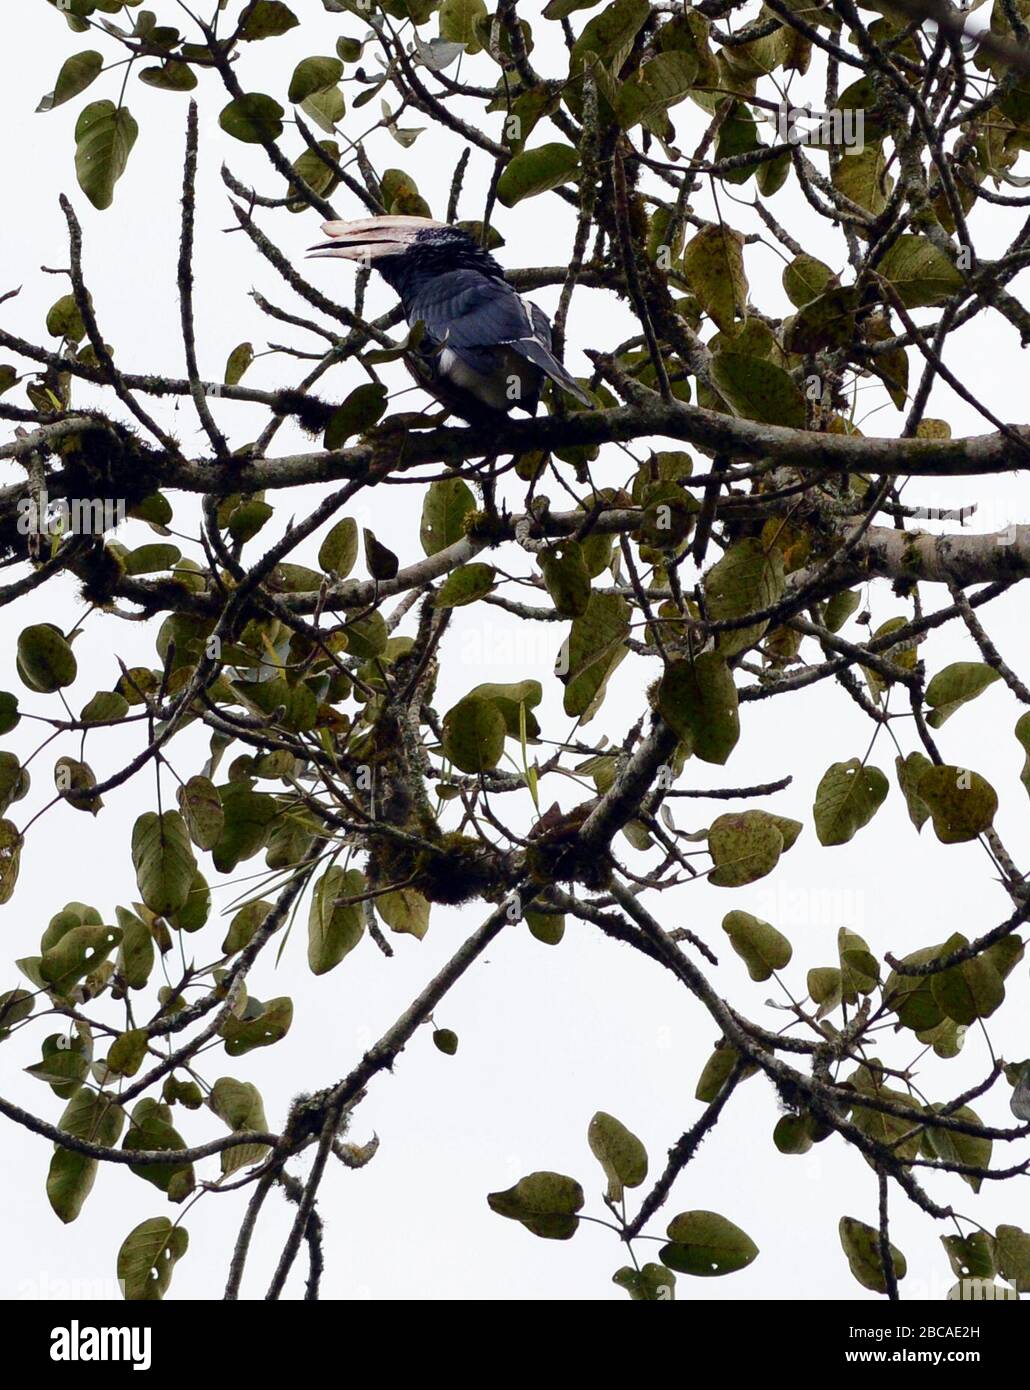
(548, 1036)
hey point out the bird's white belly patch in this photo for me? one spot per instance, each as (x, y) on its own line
(514, 381)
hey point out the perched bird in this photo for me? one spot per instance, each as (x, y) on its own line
(485, 349)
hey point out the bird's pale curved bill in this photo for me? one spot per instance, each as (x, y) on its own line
(357, 250)
(371, 237)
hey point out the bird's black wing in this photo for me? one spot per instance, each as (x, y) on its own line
(537, 349)
(474, 314)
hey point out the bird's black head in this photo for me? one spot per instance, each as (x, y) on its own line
(406, 250)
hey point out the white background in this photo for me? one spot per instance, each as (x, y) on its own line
(548, 1036)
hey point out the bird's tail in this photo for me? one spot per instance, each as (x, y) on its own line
(535, 351)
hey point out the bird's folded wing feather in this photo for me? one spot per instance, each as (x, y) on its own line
(474, 315)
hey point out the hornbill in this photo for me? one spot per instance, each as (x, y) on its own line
(485, 349)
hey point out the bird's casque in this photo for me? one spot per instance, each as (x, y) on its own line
(485, 349)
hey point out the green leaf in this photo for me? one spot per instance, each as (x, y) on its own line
(566, 578)
(239, 1105)
(244, 924)
(46, 663)
(78, 953)
(320, 177)
(706, 1244)
(619, 1152)
(136, 951)
(252, 118)
(840, 608)
(760, 946)
(1023, 734)
(920, 272)
(10, 859)
(91, 1115)
(267, 19)
(163, 861)
(14, 780)
(367, 636)
(911, 996)
(9, 715)
(104, 137)
(267, 1024)
(69, 1182)
(972, 1256)
(698, 701)
(561, 9)
(536, 171)
(713, 264)
(744, 847)
(1012, 1247)
(859, 968)
(465, 585)
(447, 503)
(509, 699)
(962, 803)
(152, 1128)
(335, 926)
(747, 579)
(380, 561)
(738, 134)
(909, 771)
(610, 34)
(126, 1053)
(405, 911)
(152, 558)
(861, 1244)
(339, 550)
(596, 645)
(326, 108)
(247, 817)
(445, 1040)
(716, 1072)
(896, 1132)
(891, 367)
(473, 735)
(64, 1064)
(951, 1146)
(847, 798)
(459, 20)
(771, 175)
(64, 320)
(662, 82)
(546, 927)
(147, 1257)
(970, 990)
(363, 408)
(171, 76)
(825, 322)
(805, 278)
(202, 811)
(78, 72)
(15, 1006)
(955, 686)
(197, 909)
(793, 1134)
(824, 986)
(314, 75)
(545, 1203)
(237, 363)
(652, 1283)
(758, 389)
(861, 176)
